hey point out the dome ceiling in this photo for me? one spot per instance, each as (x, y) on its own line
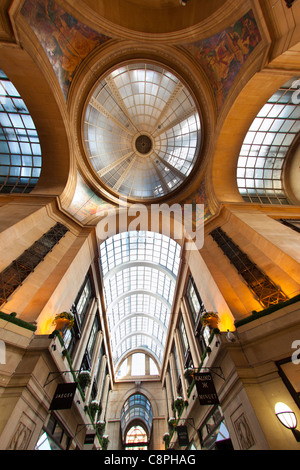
(142, 131)
(154, 16)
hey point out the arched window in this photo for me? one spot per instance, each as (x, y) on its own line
(20, 150)
(136, 438)
(137, 364)
(265, 147)
(136, 419)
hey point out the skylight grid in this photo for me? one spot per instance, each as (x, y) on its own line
(136, 406)
(142, 246)
(134, 279)
(141, 100)
(266, 144)
(20, 150)
(139, 276)
(138, 303)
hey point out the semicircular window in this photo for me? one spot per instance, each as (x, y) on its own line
(137, 409)
(20, 150)
(139, 271)
(142, 131)
(265, 147)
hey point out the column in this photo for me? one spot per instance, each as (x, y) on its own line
(105, 397)
(97, 347)
(101, 377)
(173, 374)
(181, 362)
(169, 394)
(90, 316)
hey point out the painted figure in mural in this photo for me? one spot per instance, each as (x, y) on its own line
(65, 40)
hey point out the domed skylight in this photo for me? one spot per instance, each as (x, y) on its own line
(142, 131)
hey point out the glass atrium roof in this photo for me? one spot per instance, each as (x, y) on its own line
(142, 131)
(262, 156)
(139, 274)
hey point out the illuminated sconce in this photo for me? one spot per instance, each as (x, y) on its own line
(183, 2)
(288, 418)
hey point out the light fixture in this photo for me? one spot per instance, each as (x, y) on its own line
(289, 3)
(183, 2)
(288, 418)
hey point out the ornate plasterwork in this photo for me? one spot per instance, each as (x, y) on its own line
(79, 54)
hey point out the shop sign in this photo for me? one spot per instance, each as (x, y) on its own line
(63, 396)
(206, 389)
(182, 434)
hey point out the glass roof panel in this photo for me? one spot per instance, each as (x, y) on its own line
(139, 276)
(149, 101)
(266, 144)
(20, 150)
(136, 407)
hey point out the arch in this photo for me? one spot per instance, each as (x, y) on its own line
(136, 434)
(136, 407)
(48, 118)
(251, 99)
(139, 270)
(140, 336)
(262, 157)
(149, 354)
(20, 150)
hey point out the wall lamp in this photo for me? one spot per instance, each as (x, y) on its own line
(288, 418)
(183, 2)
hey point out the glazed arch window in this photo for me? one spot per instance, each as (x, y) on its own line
(20, 150)
(260, 168)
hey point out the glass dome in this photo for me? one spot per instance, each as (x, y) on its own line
(142, 131)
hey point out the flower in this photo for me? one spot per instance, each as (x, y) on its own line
(172, 421)
(67, 316)
(207, 317)
(84, 378)
(105, 442)
(100, 424)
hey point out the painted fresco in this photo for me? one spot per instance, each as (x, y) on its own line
(86, 203)
(65, 40)
(222, 55)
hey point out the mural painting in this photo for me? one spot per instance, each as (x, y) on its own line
(86, 203)
(65, 40)
(222, 55)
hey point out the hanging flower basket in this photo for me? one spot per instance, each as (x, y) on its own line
(104, 442)
(100, 426)
(63, 320)
(179, 404)
(84, 379)
(210, 319)
(94, 408)
(172, 422)
(189, 375)
(166, 439)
